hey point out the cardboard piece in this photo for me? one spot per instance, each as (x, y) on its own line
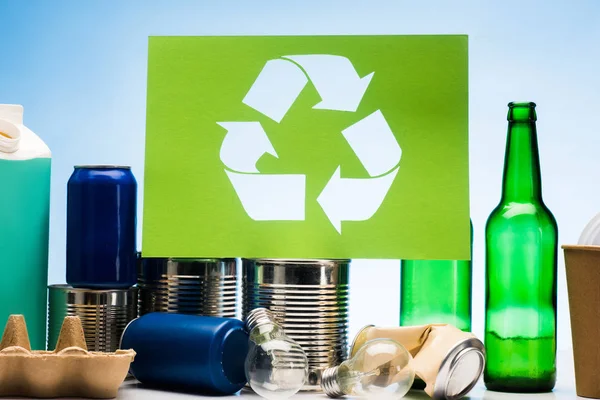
(68, 371)
(582, 264)
(307, 147)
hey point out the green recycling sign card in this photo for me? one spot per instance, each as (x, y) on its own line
(307, 147)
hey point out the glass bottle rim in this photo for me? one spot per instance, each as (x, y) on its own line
(520, 104)
(521, 111)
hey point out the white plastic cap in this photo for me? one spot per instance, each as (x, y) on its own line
(11, 116)
(12, 113)
(591, 233)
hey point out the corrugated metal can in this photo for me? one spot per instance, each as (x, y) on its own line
(310, 299)
(104, 314)
(188, 286)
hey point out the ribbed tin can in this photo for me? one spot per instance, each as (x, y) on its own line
(188, 286)
(310, 299)
(104, 314)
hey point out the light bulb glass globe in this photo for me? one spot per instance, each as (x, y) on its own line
(381, 369)
(276, 366)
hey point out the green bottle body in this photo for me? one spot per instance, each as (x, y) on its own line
(436, 291)
(521, 256)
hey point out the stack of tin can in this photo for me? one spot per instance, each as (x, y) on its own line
(104, 314)
(101, 256)
(205, 286)
(310, 299)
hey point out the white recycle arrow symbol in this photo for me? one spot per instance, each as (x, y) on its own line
(348, 199)
(249, 136)
(280, 82)
(276, 88)
(335, 79)
(374, 144)
(265, 197)
(279, 197)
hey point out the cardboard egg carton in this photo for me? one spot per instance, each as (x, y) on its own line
(68, 371)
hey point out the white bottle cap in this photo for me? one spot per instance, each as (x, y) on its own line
(11, 116)
(591, 233)
(12, 113)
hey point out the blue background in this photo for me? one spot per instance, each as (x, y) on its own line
(79, 68)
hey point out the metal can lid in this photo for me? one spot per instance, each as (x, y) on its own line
(102, 167)
(299, 261)
(460, 370)
(66, 294)
(359, 340)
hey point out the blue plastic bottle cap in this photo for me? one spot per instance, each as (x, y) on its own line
(229, 347)
(235, 349)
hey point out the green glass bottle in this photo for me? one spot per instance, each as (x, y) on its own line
(436, 291)
(521, 250)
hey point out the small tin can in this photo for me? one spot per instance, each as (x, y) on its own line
(101, 227)
(104, 314)
(188, 352)
(188, 286)
(310, 298)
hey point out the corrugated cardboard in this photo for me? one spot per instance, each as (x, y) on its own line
(583, 283)
(68, 371)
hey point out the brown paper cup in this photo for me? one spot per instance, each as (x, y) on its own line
(583, 283)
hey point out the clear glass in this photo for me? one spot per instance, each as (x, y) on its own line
(521, 251)
(381, 369)
(436, 291)
(276, 366)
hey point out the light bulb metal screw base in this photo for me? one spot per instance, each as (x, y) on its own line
(330, 384)
(260, 316)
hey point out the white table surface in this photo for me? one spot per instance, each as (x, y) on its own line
(564, 390)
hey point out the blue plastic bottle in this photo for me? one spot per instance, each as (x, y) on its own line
(188, 352)
(24, 216)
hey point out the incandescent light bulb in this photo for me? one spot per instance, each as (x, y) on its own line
(276, 366)
(381, 369)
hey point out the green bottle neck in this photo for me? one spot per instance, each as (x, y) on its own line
(522, 181)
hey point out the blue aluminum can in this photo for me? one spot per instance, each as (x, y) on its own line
(101, 227)
(188, 352)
